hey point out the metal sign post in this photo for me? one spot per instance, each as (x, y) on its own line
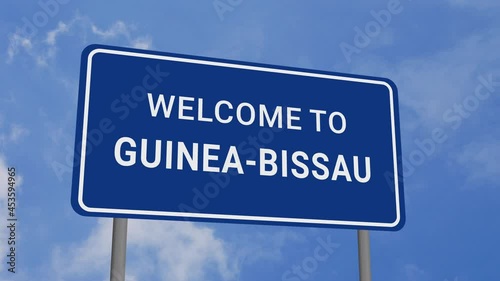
(119, 249)
(365, 273)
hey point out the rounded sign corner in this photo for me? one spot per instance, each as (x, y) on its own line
(79, 206)
(390, 85)
(399, 223)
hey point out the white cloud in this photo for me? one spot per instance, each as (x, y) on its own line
(142, 43)
(166, 250)
(172, 250)
(185, 250)
(120, 29)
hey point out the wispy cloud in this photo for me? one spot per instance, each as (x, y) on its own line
(13, 134)
(52, 35)
(412, 272)
(480, 159)
(17, 43)
(430, 84)
(119, 28)
(45, 50)
(242, 41)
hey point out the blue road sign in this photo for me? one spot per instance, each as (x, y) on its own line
(168, 136)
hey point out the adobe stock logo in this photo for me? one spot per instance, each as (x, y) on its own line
(39, 19)
(453, 118)
(308, 265)
(121, 107)
(223, 6)
(372, 29)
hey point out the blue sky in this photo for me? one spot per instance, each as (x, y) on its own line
(437, 52)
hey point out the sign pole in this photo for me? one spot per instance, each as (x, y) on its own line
(118, 249)
(365, 273)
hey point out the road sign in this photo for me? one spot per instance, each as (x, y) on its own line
(168, 136)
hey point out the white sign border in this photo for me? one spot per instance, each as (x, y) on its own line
(222, 216)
